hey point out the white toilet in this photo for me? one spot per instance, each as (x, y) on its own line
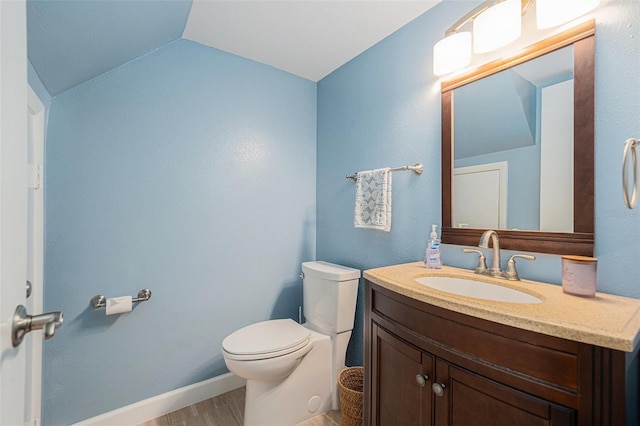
(292, 369)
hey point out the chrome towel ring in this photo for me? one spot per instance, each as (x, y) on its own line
(630, 145)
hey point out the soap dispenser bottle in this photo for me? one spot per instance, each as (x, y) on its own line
(433, 259)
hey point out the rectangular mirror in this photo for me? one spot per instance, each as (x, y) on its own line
(517, 148)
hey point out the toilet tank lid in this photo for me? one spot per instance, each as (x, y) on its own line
(330, 271)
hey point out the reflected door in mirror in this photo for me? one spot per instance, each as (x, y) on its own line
(517, 117)
(480, 196)
(556, 158)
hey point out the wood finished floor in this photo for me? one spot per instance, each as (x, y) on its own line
(226, 410)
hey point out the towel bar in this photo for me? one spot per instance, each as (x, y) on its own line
(101, 301)
(416, 168)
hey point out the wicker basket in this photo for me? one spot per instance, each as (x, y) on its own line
(350, 381)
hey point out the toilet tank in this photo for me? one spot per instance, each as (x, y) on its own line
(329, 294)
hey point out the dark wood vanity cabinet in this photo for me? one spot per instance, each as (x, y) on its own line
(401, 399)
(425, 365)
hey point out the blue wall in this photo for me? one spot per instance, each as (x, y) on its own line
(504, 101)
(189, 171)
(99, 35)
(383, 109)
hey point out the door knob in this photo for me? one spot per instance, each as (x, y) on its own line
(23, 323)
(438, 389)
(422, 379)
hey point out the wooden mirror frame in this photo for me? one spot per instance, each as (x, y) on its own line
(581, 241)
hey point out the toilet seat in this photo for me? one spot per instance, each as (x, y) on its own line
(266, 339)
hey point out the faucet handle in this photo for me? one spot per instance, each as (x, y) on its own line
(481, 267)
(511, 273)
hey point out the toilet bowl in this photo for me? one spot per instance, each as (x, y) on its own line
(288, 388)
(291, 369)
(268, 350)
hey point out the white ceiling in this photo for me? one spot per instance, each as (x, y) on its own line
(304, 37)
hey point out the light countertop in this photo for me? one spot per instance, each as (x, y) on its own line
(605, 320)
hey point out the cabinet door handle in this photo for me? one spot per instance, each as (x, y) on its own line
(438, 389)
(422, 379)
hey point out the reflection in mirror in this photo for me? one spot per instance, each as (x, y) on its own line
(513, 147)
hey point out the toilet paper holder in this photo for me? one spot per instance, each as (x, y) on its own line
(100, 301)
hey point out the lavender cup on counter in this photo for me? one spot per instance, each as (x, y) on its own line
(579, 275)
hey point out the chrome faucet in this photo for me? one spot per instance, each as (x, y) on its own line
(495, 270)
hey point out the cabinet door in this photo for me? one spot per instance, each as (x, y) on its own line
(399, 396)
(472, 400)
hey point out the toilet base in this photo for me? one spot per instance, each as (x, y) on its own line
(306, 393)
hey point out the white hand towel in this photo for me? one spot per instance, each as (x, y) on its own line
(373, 200)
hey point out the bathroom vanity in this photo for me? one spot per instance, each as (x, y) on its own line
(436, 357)
(432, 357)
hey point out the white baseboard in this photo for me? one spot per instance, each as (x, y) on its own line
(165, 403)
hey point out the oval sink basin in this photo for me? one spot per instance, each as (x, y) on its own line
(477, 289)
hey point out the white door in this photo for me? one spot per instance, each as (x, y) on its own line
(35, 246)
(480, 196)
(13, 204)
(556, 158)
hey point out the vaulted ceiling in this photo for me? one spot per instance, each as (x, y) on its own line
(70, 42)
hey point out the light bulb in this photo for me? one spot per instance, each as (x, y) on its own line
(452, 53)
(497, 26)
(550, 13)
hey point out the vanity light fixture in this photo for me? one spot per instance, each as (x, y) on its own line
(497, 23)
